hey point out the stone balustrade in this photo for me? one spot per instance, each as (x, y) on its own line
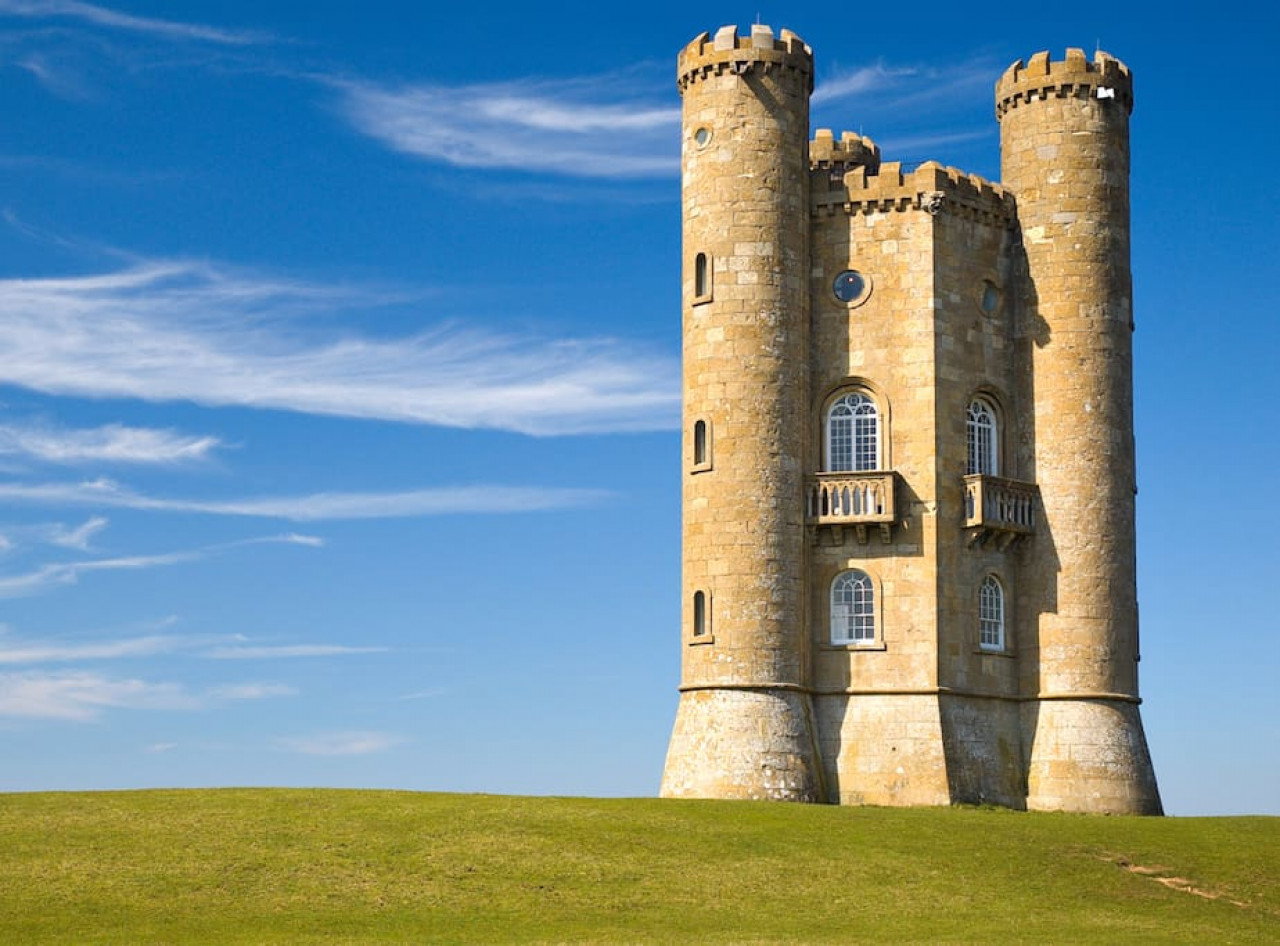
(995, 504)
(851, 498)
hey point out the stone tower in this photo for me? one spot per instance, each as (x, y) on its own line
(744, 725)
(1064, 145)
(908, 467)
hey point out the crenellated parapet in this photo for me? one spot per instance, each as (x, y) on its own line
(727, 52)
(931, 188)
(837, 157)
(1105, 77)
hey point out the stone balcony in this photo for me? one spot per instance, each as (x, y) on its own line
(998, 508)
(857, 500)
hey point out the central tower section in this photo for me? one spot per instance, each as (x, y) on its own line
(744, 727)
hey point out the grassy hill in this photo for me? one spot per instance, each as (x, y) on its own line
(271, 866)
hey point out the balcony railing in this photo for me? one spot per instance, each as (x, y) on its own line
(993, 504)
(852, 499)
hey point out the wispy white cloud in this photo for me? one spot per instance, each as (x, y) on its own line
(858, 82)
(27, 652)
(113, 443)
(314, 507)
(161, 747)
(252, 691)
(79, 537)
(343, 743)
(103, 16)
(81, 696)
(578, 127)
(163, 331)
(430, 694)
(15, 651)
(67, 573)
(284, 651)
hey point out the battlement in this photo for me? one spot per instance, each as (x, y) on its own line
(729, 52)
(828, 154)
(931, 187)
(1105, 77)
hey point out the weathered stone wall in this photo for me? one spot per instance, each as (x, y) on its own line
(878, 748)
(882, 749)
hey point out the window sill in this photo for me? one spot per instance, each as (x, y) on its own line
(702, 639)
(994, 652)
(852, 646)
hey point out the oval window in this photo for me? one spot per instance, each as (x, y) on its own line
(850, 286)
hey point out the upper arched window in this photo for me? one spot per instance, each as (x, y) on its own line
(853, 434)
(991, 614)
(984, 438)
(853, 609)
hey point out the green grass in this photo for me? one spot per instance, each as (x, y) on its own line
(271, 866)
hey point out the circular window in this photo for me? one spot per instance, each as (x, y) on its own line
(851, 286)
(990, 297)
(702, 137)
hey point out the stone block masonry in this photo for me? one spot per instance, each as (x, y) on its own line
(907, 473)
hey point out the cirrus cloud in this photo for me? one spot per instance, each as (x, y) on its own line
(188, 331)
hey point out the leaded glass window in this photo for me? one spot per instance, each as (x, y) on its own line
(991, 614)
(853, 612)
(983, 436)
(853, 434)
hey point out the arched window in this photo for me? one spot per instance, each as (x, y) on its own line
(853, 609)
(700, 455)
(984, 439)
(853, 434)
(991, 614)
(699, 614)
(701, 276)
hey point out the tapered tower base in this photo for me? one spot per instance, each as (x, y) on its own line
(743, 743)
(1089, 756)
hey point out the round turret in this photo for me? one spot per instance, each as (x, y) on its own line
(743, 727)
(1065, 156)
(837, 157)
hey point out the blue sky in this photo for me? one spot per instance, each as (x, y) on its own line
(339, 359)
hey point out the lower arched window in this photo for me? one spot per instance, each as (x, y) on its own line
(853, 609)
(991, 614)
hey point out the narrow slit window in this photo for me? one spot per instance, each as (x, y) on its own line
(700, 443)
(701, 276)
(699, 614)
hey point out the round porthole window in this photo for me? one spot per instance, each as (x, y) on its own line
(851, 287)
(702, 137)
